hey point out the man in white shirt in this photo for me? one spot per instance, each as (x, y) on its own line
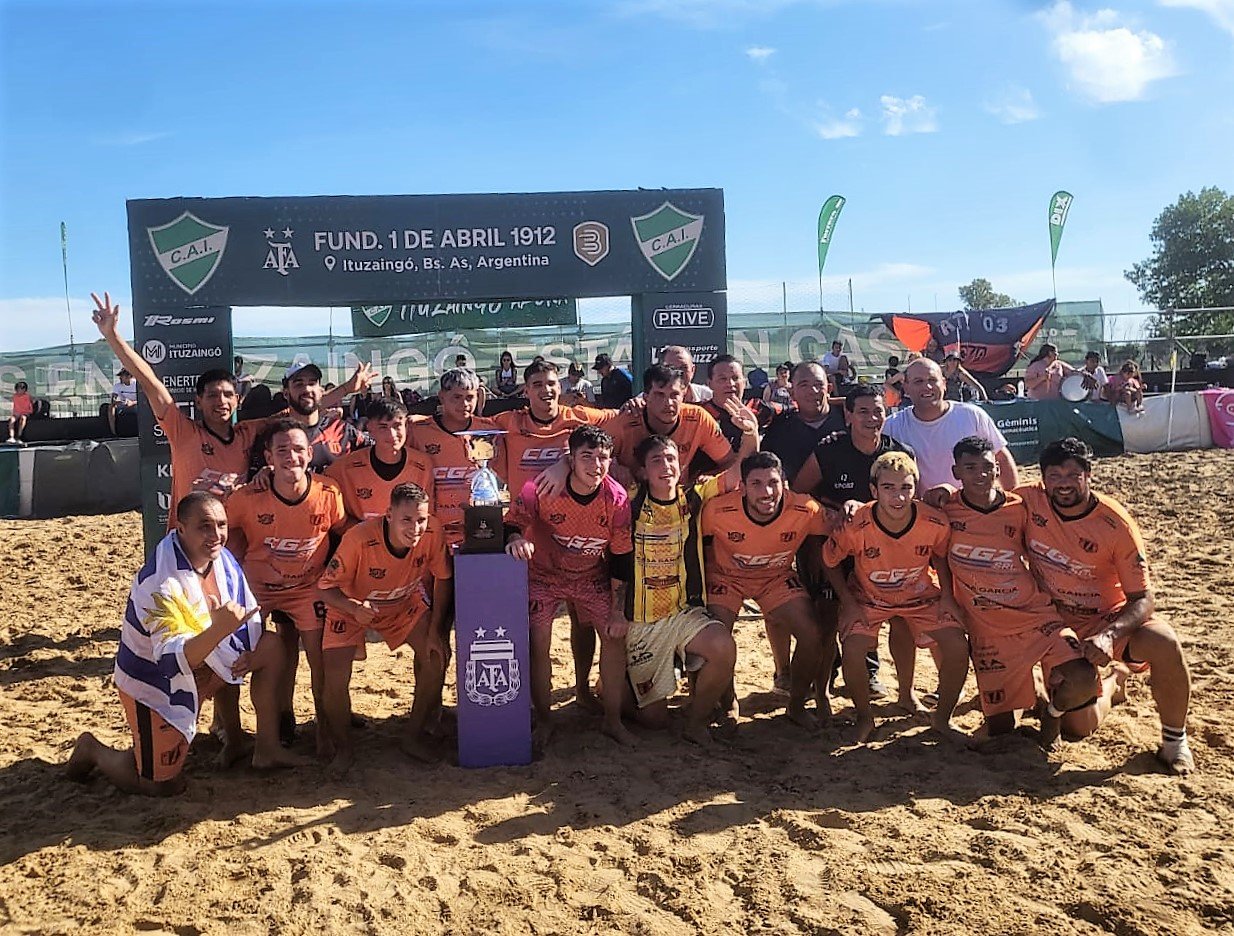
(1093, 368)
(123, 397)
(837, 364)
(933, 425)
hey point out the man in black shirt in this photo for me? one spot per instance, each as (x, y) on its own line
(615, 386)
(838, 472)
(793, 436)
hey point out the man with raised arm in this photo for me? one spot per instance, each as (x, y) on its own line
(191, 624)
(579, 550)
(393, 575)
(1089, 553)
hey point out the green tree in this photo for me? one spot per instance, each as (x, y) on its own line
(979, 294)
(1192, 266)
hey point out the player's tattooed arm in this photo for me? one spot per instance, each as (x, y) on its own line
(1099, 649)
(621, 570)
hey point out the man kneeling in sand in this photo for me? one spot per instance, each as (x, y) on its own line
(190, 627)
(390, 574)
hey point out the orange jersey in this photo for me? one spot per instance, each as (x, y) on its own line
(743, 548)
(1090, 563)
(452, 468)
(284, 544)
(574, 535)
(201, 460)
(530, 446)
(989, 569)
(696, 431)
(365, 568)
(366, 483)
(891, 570)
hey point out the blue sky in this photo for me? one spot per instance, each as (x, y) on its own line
(947, 125)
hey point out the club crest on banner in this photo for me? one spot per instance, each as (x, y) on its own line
(378, 315)
(492, 670)
(189, 250)
(668, 238)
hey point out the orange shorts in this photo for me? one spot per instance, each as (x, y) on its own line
(769, 591)
(299, 607)
(1004, 663)
(922, 620)
(1086, 625)
(158, 748)
(344, 632)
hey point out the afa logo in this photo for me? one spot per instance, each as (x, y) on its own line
(736, 536)
(959, 526)
(668, 238)
(492, 670)
(207, 448)
(1039, 520)
(189, 250)
(364, 493)
(788, 537)
(556, 518)
(432, 449)
(280, 258)
(377, 572)
(872, 552)
(265, 519)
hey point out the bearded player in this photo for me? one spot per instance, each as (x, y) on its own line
(1089, 553)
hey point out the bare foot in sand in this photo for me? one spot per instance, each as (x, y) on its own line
(1120, 673)
(1050, 732)
(798, 715)
(619, 733)
(587, 700)
(340, 764)
(415, 748)
(542, 733)
(910, 704)
(278, 759)
(234, 749)
(945, 731)
(698, 734)
(81, 762)
(863, 728)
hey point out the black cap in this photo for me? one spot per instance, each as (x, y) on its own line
(602, 360)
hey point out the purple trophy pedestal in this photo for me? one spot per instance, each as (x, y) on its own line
(494, 674)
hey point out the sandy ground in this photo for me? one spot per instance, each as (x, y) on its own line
(778, 834)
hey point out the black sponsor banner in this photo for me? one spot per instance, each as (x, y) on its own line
(179, 345)
(355, 250)
(696, 321)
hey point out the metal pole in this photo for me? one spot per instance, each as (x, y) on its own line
(850, 295)
(64, 258)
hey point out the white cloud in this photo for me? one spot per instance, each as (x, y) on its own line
(1012, 104)
(759, 54)
(907, 115)
(838, 128)
(1220, 10)
(1106, 60)
(131, 138)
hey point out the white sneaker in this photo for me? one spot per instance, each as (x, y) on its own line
(1176, 755)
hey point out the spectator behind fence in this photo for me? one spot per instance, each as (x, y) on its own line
(1043, 378)
(576, 389)
(23, 407)
(1093, 368)
(1126, 388)
(506, 382)
(123, 398)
